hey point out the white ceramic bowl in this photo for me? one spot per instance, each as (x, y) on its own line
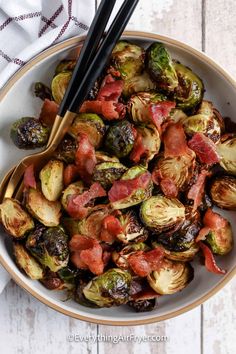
(17, 100)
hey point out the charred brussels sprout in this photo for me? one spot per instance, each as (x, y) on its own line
(160, 66)
(120, 138)
(227, 152)
(190, 89)
(140, 83)
(121, 258)
(223, 192)
(65, 65)
(102, 156)
(133, 231)
(109, 289)
(29, 133)
(59, 85)
(49, 247)
(205, 121)
(66, 150)
(51, 177)
(73, 189)
(107, 172)
(42, 91)
(15, 219)
(161, 214)
(143, 305)
(90, 124)
(172, 277)
(69, 276)
(139, 106)
(151, 140)
(221, 240)
(45, 211)
(26, 262)
(128, 59)
(183, 256)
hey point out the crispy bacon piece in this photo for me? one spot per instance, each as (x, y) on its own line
(70, 174)
(204, 148)
(211, 221)
(160, 111)
(169, 188)
(143, 263)
(48, 112)
(29, 178)
(122, 189)
(110, 110)
(210, 262)
(87, 253)
(138, 149)
(111, 227)
(76, 207)
(174, 139)
(110, 89)
(85, 158)
(196, 192)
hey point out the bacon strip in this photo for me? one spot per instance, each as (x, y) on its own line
(85, 158)
(204, 148)
(138, 149)
(169, 188)
(142, 263)
(210, 262)
(111, 227)
(196, 192)
(110, 89)
(48, 112)
(70, 174)
(174, 139)
(160, 111)
(29, 178)
(110, 110)
(212, 221)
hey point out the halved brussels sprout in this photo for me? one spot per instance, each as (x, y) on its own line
(223, 192)
(107, 172)
(59, 85)
(133, 231)
(176, 116)
(142, 305)
(92, 224)
(42, 91)
(227, 152)
(160, 66)
(52, 281)
(26, 262)
(105, 157)
(128, 59)
(90, 124)
(66, 150)
(190, 89)
(179, 169)
(182, 256)
(140, 83)
(204, 121)
(69, 276)
(15, 219)
(65, 65)
(138, 195)
(29, 133)
(139, 105)
(51, 176)
(172, 277)
(221, 240)
(73, 189)
(109, 289)
(120, 138)
(49, 247)
(121, 258)
(45, 211)
(151, 140)
(161, 214)
(70, 225)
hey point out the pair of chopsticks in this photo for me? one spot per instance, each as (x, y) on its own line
(95, 52)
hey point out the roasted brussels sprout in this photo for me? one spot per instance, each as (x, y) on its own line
(90, 124)
(69, 276)
(143, 305)
(15, 219)
(205, 121)
(70, 225)
(160, 67)
(183, 256)
(42, 91)
(140, 83)
(51, 176)
(121, 258)
(49, 246)
(65, 65)
(133, 231)
(223, 192)
(161, 214)
(66, 150)
(139, 194)
(26, 262)
(59, 85)
(45, 211)
(221, 240)
(151, 140)
(105, 157)
(139, 106)
(172, 277)
(190, 89)
(29, 133)
(108, 172)
(73, 189)
(227, 152)
(109, 289)
(128, 59)
(120, 138)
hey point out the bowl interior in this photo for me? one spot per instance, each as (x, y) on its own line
(19, 101)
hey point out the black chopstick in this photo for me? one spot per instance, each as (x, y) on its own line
(103, 53)
(88, 51)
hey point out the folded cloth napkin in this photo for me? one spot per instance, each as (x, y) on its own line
(28, 27)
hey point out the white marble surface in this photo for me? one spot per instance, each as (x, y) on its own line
(27, 326)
